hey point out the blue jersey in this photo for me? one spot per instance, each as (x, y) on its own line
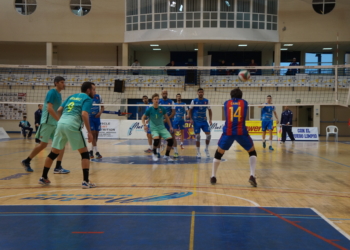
(199, 114)
(95, 109)
(235, 113)
(180, 111)
(168, 104)
(267, 113)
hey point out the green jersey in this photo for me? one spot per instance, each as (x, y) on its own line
(55, 99)
(156, 117)
(73, 106)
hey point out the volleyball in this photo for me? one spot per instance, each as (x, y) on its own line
(244, 75)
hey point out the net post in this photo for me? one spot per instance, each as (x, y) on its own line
(336, 84)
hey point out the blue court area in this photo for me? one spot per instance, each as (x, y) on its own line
(147, 159)
(145, 142)
(165, 227)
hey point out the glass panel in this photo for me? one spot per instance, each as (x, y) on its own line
(243, 5)
(131, 7)
(227, 6)
(160, 6)
(86, 10)
(149, 26)
(180, 24)
(261, 17)
(189, 24)
(272, 6)
(193, 5)
(142, 18)
(31, 9)
(197, 15)
(76, 2)
(180, 16)
(255, 17)
(83, 2)
(176, 6)
(268, 25)
(164, 25)
(157, 25)
(164, 17)
(128, 19)
(146, 6)
(239, 24)
(246, 16)
(23, 1)
(172, 24)
(149, 17)
(157, 17)
(239, 16)
(259, 6)
(189, 16)
(172, 16)
(197, 24)
(230, 24)
(135, 19)
(246, 25)
(135, 26)
(255, 25)
(231, 16)
(274, 26)
(210, 5)
(222, 24)
(269, 18)
(128, 27)
(274, 19)
(214, 24)
(206, 15)
(223, 16)
(205, 24)
(142, 26)
(261, 26)
(214, 15)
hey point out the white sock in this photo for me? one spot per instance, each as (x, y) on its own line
(198, 150)
(252, 163)
(158, 150)
(150, 147)
(95, 149)
(92, 148)
(181, 143)
(216, 164)
(271, 143)
(206, 146)
(175, 149)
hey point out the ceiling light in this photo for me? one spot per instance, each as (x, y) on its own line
(172, 4)
(227, 3)
(154, 45)
(288, 44)
(195, 49)
(242, 45)
(327, 48)
(157, 49)
(284, 49)
(181, 8)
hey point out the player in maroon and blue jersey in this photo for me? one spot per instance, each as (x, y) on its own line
(235, 129)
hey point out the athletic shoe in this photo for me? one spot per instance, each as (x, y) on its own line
(169, 159)
(91, 154)
(213, 180)
(158, 155)
(207, 152)
(86, 185)
(176, 155)
(61, 171)
(252, 181)
(44, 182)
(27, 166)
(165, 157)
(98, 156)
(271, 148)
(154, 157)
(148, 151)
(264, 144)
(182, 146)
(198, 155)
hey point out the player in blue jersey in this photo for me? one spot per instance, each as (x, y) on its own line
(235, 110)
(168, 104)
(179, 119)
(267, 120)
(95, 124)
(48, 125)
(142, 110)
(198, 116)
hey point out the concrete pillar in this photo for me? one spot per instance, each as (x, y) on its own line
(48, 54)
(277, 54)
(125, 54)
(200, 54)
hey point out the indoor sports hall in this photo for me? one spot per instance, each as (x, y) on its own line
(288, 189)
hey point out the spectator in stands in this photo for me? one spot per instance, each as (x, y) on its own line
(233, 71)
(135, 64)
(253, 71)
(37, 116)
(293, 71)
(25, 125)
(171, 72)
(222, 71)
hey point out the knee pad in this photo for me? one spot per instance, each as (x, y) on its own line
(208, 137)
(156, 142)
(52, 155)
(218, 156)
(85, 155)
(198, 137)
(253, 153)
(170, 142)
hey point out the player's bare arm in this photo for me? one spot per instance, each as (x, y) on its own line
(52, 112)
(85, 117)
(59, 112)
(276, 116)
(210, 116)
(145, 127)
(168, 121)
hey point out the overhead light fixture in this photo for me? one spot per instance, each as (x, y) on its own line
(242, 45)
(172, 4)
(157, 49)
(288, 44)
(327, 48)
(227, 3)
(284, 49)
(154, 45)
(181, 8)
(195, 49)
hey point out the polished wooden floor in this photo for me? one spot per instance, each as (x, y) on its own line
(304, 175)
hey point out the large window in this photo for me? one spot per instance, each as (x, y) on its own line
(315, 59)
(193, 14)
(146, 15)
(210, 13)
(227, 15)
(258, 14)
(271, 15)
(176, 14)
(323, 6)
(25, 7)
(80, 7)
(132, 17)
(161, 14)
(243, 14)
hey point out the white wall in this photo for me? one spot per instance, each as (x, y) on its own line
(23, 53)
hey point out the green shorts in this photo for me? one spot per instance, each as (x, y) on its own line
(164, 133)
(65, 133)
(45, 132)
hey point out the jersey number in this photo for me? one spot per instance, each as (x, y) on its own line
(236, 113)
(70, 106)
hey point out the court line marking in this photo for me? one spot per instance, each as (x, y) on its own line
(303, 152)
(331, 223)
(250, 201)
(192, 230)
(304, 229)
(87, 232)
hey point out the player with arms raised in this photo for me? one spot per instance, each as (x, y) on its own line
(267, 120)
(235, 130)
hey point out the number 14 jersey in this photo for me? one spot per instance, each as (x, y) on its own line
(235, 113)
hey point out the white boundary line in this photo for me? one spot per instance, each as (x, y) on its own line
(331, 223)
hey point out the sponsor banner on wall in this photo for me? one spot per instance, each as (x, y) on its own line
(305, 134)
(109, 129)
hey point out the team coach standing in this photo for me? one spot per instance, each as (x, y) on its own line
(286, 123)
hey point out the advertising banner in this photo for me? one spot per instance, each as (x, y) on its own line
(305, 134)
(109, 129)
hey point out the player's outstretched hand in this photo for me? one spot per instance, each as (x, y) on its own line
(90, 137)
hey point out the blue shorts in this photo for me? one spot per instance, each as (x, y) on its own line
(226, 141)
(266, 125)
(149, 129)
(201, 125)
(179, 124)
(95, 124)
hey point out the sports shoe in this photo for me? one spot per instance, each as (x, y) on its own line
(44, 182)
(61, 171)
(198, 155)
(252, 181)
(168, 158)
(264, 144)
(158, 155)
(207, 152)
(271, 148)
(91, 154)
(27, 166)
(213, 180)
(154, 157)
(148, 151)
(98, 156)
(86, 185)
(182, 146)
(176, 155)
